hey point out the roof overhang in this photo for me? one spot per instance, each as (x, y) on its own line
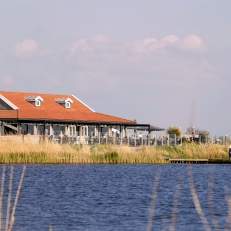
(146, 128)
(87, 122)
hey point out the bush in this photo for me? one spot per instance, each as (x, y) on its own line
(112, 157)
(174, 130)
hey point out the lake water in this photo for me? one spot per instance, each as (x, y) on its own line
(115, 197)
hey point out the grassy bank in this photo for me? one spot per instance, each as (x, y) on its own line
(19, 152)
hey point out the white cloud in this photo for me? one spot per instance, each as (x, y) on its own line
(147, 45)
(170, 39)
(7, 79)
(101, 38)
(103, 46)
(29, 48)
(193, 43)
(82, 45)
(99, 57)
(98, 42)
(25, 49)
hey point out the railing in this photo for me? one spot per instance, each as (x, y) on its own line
(133, 140)
(129, 140)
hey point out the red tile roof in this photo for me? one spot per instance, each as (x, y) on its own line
(49, 109)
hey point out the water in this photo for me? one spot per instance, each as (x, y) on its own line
(115, 197)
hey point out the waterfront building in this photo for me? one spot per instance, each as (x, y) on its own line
(57, 114)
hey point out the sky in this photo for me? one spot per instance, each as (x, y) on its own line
(161, 62)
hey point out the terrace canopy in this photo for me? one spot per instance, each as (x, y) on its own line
(146, 128)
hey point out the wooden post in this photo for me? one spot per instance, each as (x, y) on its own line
(109, 131)
(35, 129)
(27, 129)
(18, 127)
(99, 132)
(52, 132)
(149, 134)
(44, 127)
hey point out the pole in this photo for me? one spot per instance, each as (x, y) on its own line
(135, 139)
(149, 133)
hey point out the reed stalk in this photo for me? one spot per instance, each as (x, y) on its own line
(16, 199)
(9, 217)
(1, 194)
(9, 198)
(196, 200)
(211, 201)
(152, 204)
(175, 204)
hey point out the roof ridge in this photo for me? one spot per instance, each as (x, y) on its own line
(113, 116)
(33, 92)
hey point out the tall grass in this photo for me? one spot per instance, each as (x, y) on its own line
(53, 153)
(7, 221)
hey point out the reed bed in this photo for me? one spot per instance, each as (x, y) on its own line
(53, 153)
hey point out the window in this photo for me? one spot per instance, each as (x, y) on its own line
(67, 105)
(72, 130)
(37, 103)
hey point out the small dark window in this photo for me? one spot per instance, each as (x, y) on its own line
(4, 106)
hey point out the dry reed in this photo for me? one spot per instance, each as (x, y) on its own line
(175, 204)
(10, 212)
(45, 152)
(196, 200)
(152, 203)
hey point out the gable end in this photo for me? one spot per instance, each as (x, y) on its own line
(5, 104)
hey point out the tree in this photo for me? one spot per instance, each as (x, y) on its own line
(174, 130)
(203, 133)
(190, 131)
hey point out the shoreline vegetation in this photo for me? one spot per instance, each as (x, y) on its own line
(15, 152)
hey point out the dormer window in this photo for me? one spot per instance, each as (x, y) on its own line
(35, 100)
(65, 102)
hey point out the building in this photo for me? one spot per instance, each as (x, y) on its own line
(53, 114)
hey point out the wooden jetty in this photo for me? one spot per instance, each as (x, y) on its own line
(198, 161)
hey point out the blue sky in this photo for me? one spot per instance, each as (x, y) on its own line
(144, 60)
